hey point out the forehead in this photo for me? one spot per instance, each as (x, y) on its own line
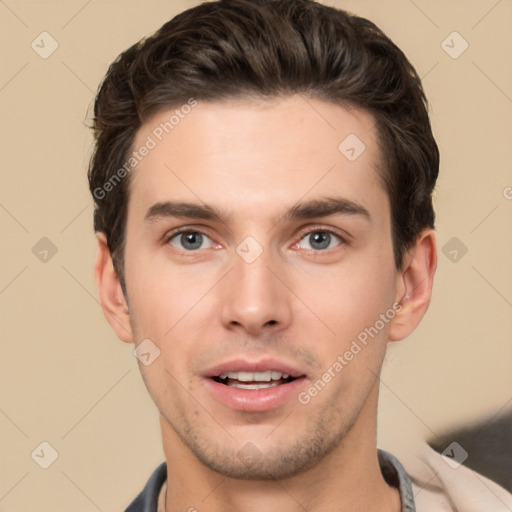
(263, 153)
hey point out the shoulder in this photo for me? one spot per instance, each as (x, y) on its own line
(441, 484)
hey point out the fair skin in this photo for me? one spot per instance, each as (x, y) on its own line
(300, 303)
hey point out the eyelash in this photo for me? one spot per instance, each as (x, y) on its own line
(320, 229)
(186, 229)
(316, 229)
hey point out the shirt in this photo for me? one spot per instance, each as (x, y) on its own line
(152, 497)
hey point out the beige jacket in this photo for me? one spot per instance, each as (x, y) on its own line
(438, 487)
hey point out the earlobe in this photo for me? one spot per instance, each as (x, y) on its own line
(113, 302)
(415, 285)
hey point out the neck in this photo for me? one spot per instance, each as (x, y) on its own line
(347, 479)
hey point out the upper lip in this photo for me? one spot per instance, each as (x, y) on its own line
(260, 365)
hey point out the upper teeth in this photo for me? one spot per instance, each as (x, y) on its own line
(255, 376)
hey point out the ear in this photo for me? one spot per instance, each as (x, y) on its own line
(414, 286)
(113, 302)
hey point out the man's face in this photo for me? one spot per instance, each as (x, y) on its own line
(299, 263)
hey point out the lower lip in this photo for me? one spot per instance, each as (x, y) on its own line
(254, 400)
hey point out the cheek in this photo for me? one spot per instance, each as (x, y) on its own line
(162, 295)
(173, 310)
(353, 342)
(347, 298)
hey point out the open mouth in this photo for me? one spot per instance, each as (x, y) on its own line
(254, 380)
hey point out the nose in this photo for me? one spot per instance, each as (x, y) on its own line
(254, 299)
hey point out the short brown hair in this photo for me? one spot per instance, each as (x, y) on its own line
(268, 48)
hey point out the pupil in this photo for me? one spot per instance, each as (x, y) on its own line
(191, 240)
(320, 240)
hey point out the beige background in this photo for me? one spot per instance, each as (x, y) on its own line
(67, 380)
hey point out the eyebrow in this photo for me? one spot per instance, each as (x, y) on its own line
(324, 207)
(303, 210)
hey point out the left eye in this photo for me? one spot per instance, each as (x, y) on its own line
(190, 240)
(319, 240)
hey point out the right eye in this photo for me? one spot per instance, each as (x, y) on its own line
(190, 240)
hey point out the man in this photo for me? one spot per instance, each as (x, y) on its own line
(263, 174)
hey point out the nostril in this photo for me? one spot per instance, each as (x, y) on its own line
(271, 322)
